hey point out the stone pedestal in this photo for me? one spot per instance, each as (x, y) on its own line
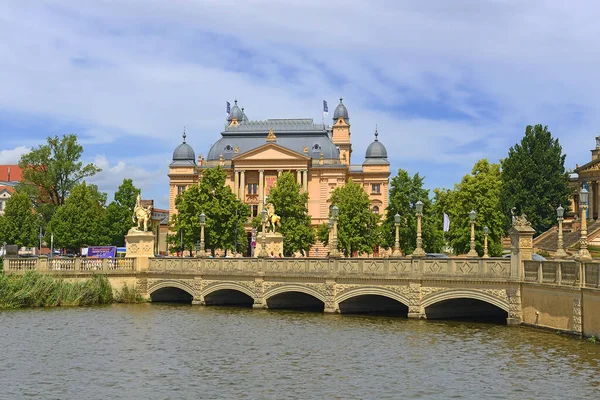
(139, 245)
(274, 243)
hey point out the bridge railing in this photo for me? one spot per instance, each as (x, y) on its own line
(560, 272)
(70, 265)
(384, 267)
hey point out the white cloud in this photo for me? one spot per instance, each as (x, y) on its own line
(12, 156)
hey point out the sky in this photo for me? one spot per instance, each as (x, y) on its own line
(446, 82)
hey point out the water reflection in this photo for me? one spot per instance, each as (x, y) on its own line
(177, 351)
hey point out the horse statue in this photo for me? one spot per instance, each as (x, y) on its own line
(273, 219)
(141, 214)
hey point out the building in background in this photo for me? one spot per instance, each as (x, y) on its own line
(255, 153)
(10, 176)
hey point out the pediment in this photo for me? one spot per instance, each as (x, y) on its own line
(270, 151)
(592, 166)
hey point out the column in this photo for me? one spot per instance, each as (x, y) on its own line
(299, 177)
(279, 172)
(591, 200)
(261, 189)
(236, 184)
(597, 198)
(305, 180)
(243, 186)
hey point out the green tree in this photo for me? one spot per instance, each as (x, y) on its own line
(478, 191)
(405, 191)
(323, 233)
(19, 225)
(118, 218)
(534, 179)
(78, 222)
(225, 214)
(358, 228)
(51, 171)
(290, 205)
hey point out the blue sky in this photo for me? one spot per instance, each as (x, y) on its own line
(446, 82)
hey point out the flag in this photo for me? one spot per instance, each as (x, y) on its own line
(325, 108)
(228, 108)
(446, 223)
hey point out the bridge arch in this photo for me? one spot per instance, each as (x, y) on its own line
(473, 294)
(228, 286)
(373, 291)
(171, 291)
(372, 300)
(294, 288)
(171, 284)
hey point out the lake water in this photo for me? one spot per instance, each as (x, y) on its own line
(160, 351)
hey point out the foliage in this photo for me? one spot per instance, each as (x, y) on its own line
(225, 214)
(78, 222)
(118, 217)
(405, 191)
(478, 191)
(323, 233)
(19, 225)
(36, 290)
(534, 179)
(290, 205)
(51, 171)
(358, 228)
(128, 294)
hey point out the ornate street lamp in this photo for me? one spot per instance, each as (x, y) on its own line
(334, 252)
(486, 232)
(419, 252)
(583, 254)
(263, 250)
(202, 223)
(472, 252)
(397, 252)
(560, 248)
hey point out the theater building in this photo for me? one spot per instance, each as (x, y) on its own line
(255, 153)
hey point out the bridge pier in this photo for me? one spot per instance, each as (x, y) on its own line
(415, 309)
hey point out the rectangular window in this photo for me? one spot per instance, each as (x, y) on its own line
(180, 189)
(255, 210)
(376, 188)
(252, 188)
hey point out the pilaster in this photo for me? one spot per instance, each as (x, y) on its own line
(236, 184)
(415, 309)
(243, 185)
(521, 239)
(331, 305)
(259, 292)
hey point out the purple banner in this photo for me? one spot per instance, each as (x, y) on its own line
(102, 251)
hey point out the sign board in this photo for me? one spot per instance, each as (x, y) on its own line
(102, 251)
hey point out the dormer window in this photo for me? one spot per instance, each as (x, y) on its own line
(316, 148)
(228, 149)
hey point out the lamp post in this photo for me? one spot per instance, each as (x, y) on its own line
(330, 241)
(397, 252)
(583, 254)
(4, 249)
(202, 223)
(560, 247)
(334, 252)
(472, 252)
(486, 232)
(419, 252)
(263, 248)
(181, 241)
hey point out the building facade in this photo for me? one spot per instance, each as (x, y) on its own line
(255, 153)
(10, 176)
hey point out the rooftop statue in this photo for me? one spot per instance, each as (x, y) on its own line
(141, 214)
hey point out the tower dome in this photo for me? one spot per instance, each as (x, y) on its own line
(236, 113)
(184, 154)
(376, 152)
(341, 112)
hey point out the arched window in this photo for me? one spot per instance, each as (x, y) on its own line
(375, 210)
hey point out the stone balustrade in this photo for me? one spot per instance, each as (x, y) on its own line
(563, 272)
(71, 265)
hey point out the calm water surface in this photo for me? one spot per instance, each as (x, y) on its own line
(180, 352)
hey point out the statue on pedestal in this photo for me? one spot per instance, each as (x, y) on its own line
(274, 219)
(141, 214)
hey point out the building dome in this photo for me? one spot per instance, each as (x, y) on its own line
(341, 111)
(236, 113)
(376, 152)
(184, 152)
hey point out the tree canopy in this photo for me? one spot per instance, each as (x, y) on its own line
(358, 228)
(478, 191)
(79, 221)
(225, 214)
(51, 171)
(19, 225)
(118, 216)
(405, 191)
(291, 205)
(534, 179)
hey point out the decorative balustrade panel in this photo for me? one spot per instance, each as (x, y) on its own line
(592, 275)
(549, 269)
(531, 270)
(569, 273)
(62, 264)
(20, 264)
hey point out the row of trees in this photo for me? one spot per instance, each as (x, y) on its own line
(54, 198)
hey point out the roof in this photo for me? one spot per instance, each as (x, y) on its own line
(9, 189)
(293, 134)
(16, 174)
